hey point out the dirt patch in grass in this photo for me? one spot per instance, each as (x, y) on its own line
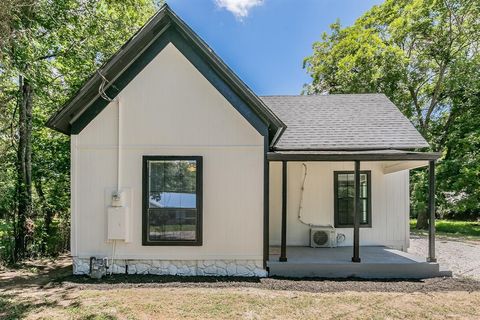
(311, 285)
(51, 293)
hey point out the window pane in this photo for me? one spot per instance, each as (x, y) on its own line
(344, 183)
(345, 211)
(342, 191)
(342, 177)
(363, 185)
(345, 198)
(172, 224)
(364, 211)
(172, 184)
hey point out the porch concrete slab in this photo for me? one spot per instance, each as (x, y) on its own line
(377, 262)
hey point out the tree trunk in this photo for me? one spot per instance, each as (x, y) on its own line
(422, 220)
(47, 215)
(422, 209)
(24, 167)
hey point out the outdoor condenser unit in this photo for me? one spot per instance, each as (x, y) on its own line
(323, 237)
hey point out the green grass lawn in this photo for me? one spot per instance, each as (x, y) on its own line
(468, 229)
(45, 289)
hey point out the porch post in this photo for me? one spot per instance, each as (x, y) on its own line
(356, 214)
(431, 209)
(283, 249)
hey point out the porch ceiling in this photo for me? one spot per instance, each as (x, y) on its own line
(396, 166)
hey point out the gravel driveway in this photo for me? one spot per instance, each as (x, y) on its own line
(462, 257)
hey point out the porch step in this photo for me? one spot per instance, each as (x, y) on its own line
(357, 270)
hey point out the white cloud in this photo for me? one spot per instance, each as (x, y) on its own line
(239, 8)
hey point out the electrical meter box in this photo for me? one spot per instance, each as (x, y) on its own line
(118, 220)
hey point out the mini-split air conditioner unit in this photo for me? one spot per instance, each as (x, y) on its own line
(323, 237)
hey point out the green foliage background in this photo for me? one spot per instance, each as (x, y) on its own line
(56, 45)
(424, 55)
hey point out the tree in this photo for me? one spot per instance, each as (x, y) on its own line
(411, 50)
(459, 173)
(49, 47)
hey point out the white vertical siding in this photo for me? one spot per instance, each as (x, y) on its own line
(390, 203)
(73, 192)
(171, 109)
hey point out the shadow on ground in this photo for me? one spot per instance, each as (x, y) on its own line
(317, 285)
(29, 287)
(53, 285)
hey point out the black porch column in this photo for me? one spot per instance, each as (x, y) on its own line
(431, 209)
(283, 249)
(356, 214)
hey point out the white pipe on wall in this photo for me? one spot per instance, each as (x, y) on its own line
(119, 146)
(117, 196)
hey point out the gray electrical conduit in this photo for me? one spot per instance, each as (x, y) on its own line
(340, 236)
(103, 94)
(119, 167)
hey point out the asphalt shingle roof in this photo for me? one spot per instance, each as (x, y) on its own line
(343, 122)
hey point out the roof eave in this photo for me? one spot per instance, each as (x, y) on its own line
(254, 101)
(58, 121)
(406, 148)
(387, 155)
(62, 120)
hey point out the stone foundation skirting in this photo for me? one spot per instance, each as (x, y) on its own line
(241, 268)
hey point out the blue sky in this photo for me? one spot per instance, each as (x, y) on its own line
(265, 41)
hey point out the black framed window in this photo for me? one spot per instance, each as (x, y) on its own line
(344, 191)
(172, 200)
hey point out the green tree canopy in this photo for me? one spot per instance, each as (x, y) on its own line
(48, 49)
(423, 54)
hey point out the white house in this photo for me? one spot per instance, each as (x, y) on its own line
(177, 167)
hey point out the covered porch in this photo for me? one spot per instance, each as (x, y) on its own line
(377, 262)
(354, 259)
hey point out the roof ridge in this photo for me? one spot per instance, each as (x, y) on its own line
(324, 95)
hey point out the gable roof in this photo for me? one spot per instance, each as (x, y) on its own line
(163, 28)
(324, 122)
(343, 122)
